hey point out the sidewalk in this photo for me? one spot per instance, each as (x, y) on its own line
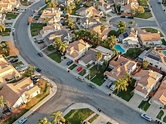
(84, 105)
(53, 91)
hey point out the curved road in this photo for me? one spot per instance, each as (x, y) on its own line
(70, 90)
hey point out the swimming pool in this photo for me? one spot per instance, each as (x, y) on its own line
(119, 48)
(164, 52)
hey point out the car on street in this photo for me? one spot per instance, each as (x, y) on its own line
(79, 69)
(91, 86)
(13, 29)
(22, 121)
(38, 69)
(69, 62)
(147, 117)
(40, 54)
(80, 78)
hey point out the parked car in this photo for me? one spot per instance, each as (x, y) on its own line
(69, 62)
(159, 2)
(131, 17)
(34, 79)
(40, 41)
(79, 69)
(91, 86)
(112, 87)
(123, 17)
(40, 54)
(14, 60)
(147, 117)
(22, 121)
(80, 78)
(38, 69)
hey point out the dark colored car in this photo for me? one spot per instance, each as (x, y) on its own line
(123, 17)
(14, 60)
(91, 86)
(40, 41)
(131, 17)
(40, 54)
(69, 62)
(38, 69)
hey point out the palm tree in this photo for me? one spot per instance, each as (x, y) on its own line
(121, 85)
(46, 19)
(2, 27)
(99, 56)
(57, 117)
(52, 5)
(57, 42)
(44, 121)
(3, 102)
(63, 47)
(121, 26)
(68, 10)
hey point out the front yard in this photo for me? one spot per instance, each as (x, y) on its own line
(55, 56)
(78, 116)
(36, 27)
(11, 15)
(133, 52)
(144, 15)
(160, 114)
(6, 32)
(82, 72)
(72, 66)
(152, 30)
(144, 105)
(143, 2)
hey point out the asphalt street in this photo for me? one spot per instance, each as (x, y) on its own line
(70, 90)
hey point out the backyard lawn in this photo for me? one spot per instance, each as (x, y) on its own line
(143, 2)
(163, 41)
(11, 15)
(72, 66)
(82, 72)
(144, 105)
(6, 32)
(55, 56)
(160, 114)
(133, 52)
(93, 118)
(36, 27)
(144, 15)
(152, 30)
(78, 116)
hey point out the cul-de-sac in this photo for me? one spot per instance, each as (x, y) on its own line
(82, 61)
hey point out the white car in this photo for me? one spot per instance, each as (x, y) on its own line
(22, 121)
(147, 117)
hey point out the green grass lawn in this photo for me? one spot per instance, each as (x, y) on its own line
(133, 52)
(143, 2)
(18, 63)
(72, 66)
(11, 15)
(55, 56)
(144, 15)
(99, 79)
(163, 42)
(78, 116)
(164, 119)
(152, 30)
(126, 95)
(36, 27)
(82, 72)
(50, 48)
(6, 32)
(93, 118)
(144, 105)
(160, 114)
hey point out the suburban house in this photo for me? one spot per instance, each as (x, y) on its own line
(90, 56)
(53, 14)
(120, 67)
(49, 28)
(148, 38)
(156, 59)
(63, 34)
(2, 18)
(8, 5)
(101, 30)
(89, 12)
(146, 81)
(77, 49)
(160, 96)
(130, 5)
(129, 37)
(88, 22)
(19, 93)
(105, 6)
(68, 2)
(7, 71)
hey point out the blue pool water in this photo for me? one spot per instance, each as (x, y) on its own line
(119, 48)
(164, 52)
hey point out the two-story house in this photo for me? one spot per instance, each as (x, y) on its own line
(76, 50)
(120, 67)
(131, 5)
(49, 28)
(90, 56)
(146, 81)
(148, 38)
(7, 71)
(159, 97)
(106, 6)
(8, 5)
(19, 93)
